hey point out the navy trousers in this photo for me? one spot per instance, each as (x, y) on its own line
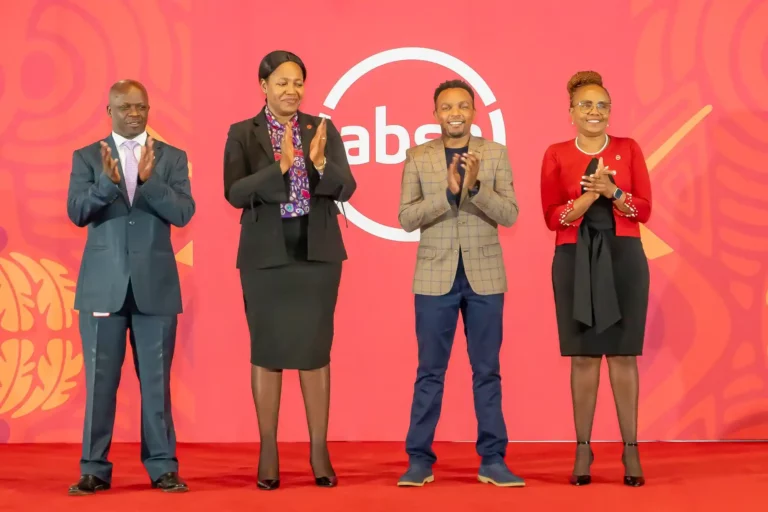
(152, 340)
(436, 319)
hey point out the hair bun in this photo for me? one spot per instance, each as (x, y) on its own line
(583, 78)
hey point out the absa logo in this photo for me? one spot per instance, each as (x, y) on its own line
(407, 96)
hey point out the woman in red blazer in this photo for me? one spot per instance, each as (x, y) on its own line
(595, 192)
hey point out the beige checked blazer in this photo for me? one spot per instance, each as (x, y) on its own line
(445, 228)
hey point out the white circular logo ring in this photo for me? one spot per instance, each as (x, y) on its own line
(405, 54)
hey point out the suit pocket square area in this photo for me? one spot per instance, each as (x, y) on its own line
(426, 253)
(492, 250)
(100, 314)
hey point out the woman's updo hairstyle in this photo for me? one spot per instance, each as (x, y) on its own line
(582, 79)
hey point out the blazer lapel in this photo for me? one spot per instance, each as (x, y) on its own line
(116, 155)
(437, 156)
(475, 145)
(261, 131)
(158, 152)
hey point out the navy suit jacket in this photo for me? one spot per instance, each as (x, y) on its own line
(129, 242)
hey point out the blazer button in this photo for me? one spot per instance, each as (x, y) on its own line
(131, 222)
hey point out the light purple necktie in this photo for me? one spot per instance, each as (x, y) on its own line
(131, 170)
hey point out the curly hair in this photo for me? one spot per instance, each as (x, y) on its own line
(454, 84)
(582, 79)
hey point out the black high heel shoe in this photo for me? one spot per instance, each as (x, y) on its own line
(583, 479)
(268, 485)
(631, 481)
(324, 481)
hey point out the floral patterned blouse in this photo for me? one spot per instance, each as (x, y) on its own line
(298, 198)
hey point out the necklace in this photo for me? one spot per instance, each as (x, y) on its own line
(576, 140)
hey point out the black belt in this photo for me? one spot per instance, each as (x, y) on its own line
(594, 298)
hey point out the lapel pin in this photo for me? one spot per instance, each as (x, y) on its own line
(309, 127)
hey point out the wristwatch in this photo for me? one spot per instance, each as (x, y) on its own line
(617, 194)
(475, 189)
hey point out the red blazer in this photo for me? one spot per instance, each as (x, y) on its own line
(561, 171)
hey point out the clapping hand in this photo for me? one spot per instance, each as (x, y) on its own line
(286, 150)
(147, 160)
(471, 168)
(454, 178)
(317, 146)
(109, 164)
(600, 182)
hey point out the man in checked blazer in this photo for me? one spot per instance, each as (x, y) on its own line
(457, 189)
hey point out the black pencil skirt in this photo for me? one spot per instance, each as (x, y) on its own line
(290, 309)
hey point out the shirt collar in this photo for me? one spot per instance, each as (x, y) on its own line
(272, 120)
(140, 138)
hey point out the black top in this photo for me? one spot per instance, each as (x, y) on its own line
(595, 300)
(449, 152)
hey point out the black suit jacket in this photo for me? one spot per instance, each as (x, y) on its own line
(129, 242)
(254, 183)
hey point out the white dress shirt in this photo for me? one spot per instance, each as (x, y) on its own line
(141, 139)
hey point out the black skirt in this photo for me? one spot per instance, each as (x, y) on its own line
(601, 285)
(290, 309)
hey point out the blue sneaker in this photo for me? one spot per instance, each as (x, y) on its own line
(416, 476)
(498, 474)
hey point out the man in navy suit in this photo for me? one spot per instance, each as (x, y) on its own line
(129, 282)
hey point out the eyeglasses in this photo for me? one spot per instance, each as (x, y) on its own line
(586, 107)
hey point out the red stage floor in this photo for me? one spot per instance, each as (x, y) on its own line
(680, 477)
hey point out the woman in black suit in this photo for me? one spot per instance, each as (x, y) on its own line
(285, 169)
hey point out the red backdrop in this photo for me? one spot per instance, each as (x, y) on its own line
(688, 81)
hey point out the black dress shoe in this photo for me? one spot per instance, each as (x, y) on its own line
(326, 481)
(580, 480)
(631, 481)
(268, 485)
(170, 482)
(88, 484)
